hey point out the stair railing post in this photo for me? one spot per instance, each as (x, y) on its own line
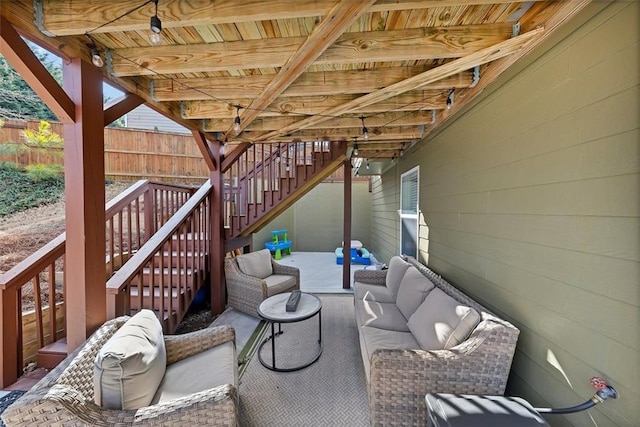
(11, 355)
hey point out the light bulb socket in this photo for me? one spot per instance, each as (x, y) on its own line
(155, 25)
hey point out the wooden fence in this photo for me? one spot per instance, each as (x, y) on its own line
(130, 154)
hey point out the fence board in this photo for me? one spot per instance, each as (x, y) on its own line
(131, 154)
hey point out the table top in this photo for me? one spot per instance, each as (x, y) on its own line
(274, 308)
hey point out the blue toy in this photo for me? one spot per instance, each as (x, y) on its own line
(359, 255)
(278, 243)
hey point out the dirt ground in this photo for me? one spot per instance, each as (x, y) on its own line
(25, 232)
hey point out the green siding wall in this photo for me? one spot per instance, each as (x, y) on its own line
(531, 203)
(315, 222)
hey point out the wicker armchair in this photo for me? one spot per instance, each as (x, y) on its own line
(66, 395)
(245, 292)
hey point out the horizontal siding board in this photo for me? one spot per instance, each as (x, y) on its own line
(578, 270)
(615, 237)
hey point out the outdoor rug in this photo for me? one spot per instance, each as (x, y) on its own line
(330, 392)
(7, 400)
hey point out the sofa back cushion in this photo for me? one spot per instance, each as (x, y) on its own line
(397, 268)
(131, 364)
(413, 289)
(256, 264)
(441, 322)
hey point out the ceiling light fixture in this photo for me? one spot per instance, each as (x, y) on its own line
(365, 131)
(96, 58)
(155, 27)
(450, 99)
(237, 121)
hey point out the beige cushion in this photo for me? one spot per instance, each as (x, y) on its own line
(131, 364)
(414, 287)
(380, 315)
(441, 322)
(397, 268)
(279, 283)
(256, 264)
(208, 369)
(372, 339)
(369, 292)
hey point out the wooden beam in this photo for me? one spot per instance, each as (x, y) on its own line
(483, 56)
(371, 46)
(234, 155)
(18, 54)
(338, 134)
(352, 121)
(234, 89)
(216, 243)
(120, 107)
(207, 154)
(85, 270)
(340, 17)
(54, 15)
(301, 106)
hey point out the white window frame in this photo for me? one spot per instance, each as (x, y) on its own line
(413, 216)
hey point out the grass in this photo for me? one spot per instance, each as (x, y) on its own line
(19, 191)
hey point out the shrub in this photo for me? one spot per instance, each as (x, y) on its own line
(39, 172)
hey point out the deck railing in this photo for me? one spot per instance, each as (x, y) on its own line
(41, 275)
(265, 174)
(165, 274)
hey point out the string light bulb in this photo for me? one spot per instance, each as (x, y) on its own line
(96, 58)
(155, 27)
(401, 152)
(450, 99)
(355, 145)
(365, 131)
(287, 167)
(237, 121)
(367, 164)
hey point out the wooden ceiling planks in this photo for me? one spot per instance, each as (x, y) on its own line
(394, 62)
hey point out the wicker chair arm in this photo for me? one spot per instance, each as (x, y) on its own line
(400, 379)
(213, 407)
(286, 270)
(371, 277)
(180, 347)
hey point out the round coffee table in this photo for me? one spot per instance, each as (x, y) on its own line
(273, 310)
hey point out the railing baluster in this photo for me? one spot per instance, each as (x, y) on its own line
(52, 303)
(37, 301)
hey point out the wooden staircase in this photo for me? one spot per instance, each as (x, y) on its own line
(268, 188)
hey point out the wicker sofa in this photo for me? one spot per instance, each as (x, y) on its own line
(253, 277)
(401, 370)
(66, 395)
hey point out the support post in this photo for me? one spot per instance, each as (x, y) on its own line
(346, 247)
(86, 301)
(216, 251)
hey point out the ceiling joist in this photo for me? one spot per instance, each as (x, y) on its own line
(370, 46)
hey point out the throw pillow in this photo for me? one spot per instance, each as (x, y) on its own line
(413, 289)
(131, 364)
(441, 322)
(256, 264)
(397, 268)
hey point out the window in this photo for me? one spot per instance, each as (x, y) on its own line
(409, 212)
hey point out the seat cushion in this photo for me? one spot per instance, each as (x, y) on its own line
(256, 264)
(397, 268)
(372, 339)
(441, 322)
(380, 315)
(211, 368)
(369, 292)
(413, 289)
(131, 364)
(279, 283)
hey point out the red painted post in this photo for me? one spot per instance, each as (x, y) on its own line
(216, 248)
(86, 301)
(346, 247)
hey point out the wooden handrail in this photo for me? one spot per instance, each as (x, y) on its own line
(125, 274)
